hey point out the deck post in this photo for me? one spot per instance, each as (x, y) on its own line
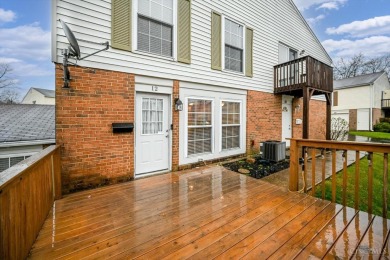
(306, 119)
(328, 115)
(294, 165)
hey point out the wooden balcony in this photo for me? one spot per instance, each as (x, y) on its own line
(292, 77)
(385, 103)
(203, 213)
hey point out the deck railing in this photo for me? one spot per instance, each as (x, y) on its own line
(27, 193)
(303, 72)
(385, 103)
(339, 154)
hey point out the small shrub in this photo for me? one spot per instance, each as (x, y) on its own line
(339, 128)
(382, 127)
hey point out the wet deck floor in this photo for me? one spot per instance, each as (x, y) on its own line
(205, 213)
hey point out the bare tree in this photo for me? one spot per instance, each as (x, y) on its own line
(9, 96)
(339, 129)
(360, 65)
(6, 80)
(347, 68)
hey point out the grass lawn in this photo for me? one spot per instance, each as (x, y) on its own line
(378, 135)
(363, 191)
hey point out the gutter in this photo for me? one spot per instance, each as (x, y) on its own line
(27, 143)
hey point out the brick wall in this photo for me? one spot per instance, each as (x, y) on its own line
(264, 119)
(376, 115)
(353, 119)
(317, 117)
(91, 154)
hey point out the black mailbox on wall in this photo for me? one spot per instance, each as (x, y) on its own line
(122, 127)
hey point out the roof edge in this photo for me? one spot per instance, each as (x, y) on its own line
(27, 143)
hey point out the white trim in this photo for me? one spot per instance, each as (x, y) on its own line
(53, 31)
(197, 86)
(153, 81)
(27, 143)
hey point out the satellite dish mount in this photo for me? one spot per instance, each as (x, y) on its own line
(73, 51)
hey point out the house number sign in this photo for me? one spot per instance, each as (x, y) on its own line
(155, 88)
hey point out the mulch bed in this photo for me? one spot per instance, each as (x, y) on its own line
(257, 167)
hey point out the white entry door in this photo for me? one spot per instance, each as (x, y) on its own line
(363, 119)
(152, 133)
(286, 119)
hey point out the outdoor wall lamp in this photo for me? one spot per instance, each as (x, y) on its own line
(178, 105)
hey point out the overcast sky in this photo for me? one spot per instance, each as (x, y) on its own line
(345, 28)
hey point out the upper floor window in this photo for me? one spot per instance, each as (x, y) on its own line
(234, 46)
(155, 26)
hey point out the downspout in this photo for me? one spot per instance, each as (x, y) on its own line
(371, 105)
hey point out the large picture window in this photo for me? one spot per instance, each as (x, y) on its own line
(231, 124)
(155, 26)
(199, 126)
(234, 46)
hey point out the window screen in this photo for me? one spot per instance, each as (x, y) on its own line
(234, 46)
(231, 125)
(152, 116)
(199, 126)
(155, 26)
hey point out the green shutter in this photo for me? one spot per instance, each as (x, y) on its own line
(184, 31)
(249, 52)
(121, 24)
(216, 41)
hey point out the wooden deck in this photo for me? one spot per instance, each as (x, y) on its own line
(202, 214)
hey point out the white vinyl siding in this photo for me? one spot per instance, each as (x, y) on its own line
(199, 137)
(273, 22)
(231, 127)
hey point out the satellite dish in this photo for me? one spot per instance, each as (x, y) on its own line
(74, 51)
(75, 48)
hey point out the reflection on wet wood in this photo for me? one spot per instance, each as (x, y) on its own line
(204, 213)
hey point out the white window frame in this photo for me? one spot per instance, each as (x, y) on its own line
(221, 127)
(223, 46)
(15, 155)
(186, 126)
(135, 33)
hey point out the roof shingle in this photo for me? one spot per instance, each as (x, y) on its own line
(26, 122)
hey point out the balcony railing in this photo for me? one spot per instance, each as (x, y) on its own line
(27, 193)
(351, 178)
(385, 103)
(303, 72)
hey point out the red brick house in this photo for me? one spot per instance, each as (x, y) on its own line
(216, 58)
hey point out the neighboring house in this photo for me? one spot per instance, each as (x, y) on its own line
(24, 131)
(361, 100)
(215, 59)
(39, 96)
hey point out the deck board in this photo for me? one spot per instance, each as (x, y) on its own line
(205, 213)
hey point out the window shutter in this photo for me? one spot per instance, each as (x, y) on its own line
(121, 24)
(184, 31)
(335, 98)
(216, 41)
(249, 53)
